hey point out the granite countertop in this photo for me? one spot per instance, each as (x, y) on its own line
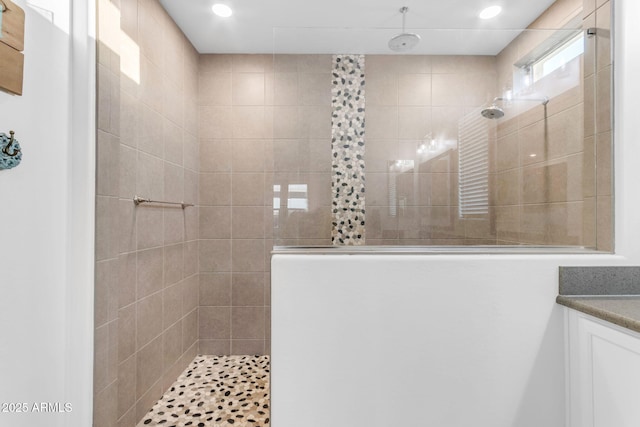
(608, 293)
(621, 310)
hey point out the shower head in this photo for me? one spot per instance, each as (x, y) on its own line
(404, 41)
(493, 112)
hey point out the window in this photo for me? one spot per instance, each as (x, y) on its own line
(558, 58)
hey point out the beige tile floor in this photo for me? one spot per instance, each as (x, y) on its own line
(216, 391)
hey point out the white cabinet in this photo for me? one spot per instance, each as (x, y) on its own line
(604, 373)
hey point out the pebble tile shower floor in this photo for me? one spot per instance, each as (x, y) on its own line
(216, 391)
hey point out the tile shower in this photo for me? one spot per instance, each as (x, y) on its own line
(248, 139)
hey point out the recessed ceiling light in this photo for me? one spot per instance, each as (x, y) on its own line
(222, 10)
(490, 12)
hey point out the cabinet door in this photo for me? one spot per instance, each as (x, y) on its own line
(604, 370)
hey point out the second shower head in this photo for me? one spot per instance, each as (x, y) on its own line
(494, 112)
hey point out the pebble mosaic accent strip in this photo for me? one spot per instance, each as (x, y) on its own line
(216, 391)
(347, 150)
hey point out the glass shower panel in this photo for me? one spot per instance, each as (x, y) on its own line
(496, 138)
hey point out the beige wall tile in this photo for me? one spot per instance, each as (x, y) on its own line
(173, 264)
(248, 89)
(149, 366)
(149, 272)
(148, 319)
(248, 122)
(250, 63)
(107, 167)
(149, 226)
(414, 122)
(173, 102)
(172, 345)
(150, 84)
(247, 222)
(247, 323)
(173, 142)
(382, 89)
(148, 399)
(315, 88)
(215, 89)
(604, 170)
(215, 347)
(287, 122)
(175, 224)
(215, 122)
(106, 291)
(604, 223)
(248, 155)
(190, 297)
(414, 89)
(449, 90)
(589, 105)
(126, 386)
(533, 144)
(215, 155)
(565, 132)
(126, 332)
(150, 170)
(603, 100)
(603, 36)
(533, 223)
(590, 45)
(172, 304)
(107, 236)
(215, 222)
(214, 63)
(247, 189)
(215, 189)
(189, 334)
(382, 122)
(314, 63)
(315, 121)
(128, 160)
(126, 279)
(565, 179)
(215, 256)
(191, 250)
(214, 322)
(248, 289)
(248, 255)
(248, 347)
(106, 406)
(173, 182)
(215, 289)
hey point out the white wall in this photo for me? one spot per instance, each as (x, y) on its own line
(46, 212)
(470, 339)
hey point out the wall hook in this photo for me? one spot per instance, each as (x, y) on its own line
(10, 152)
(6, 149)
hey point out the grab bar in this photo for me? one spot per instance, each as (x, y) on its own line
(140, 200)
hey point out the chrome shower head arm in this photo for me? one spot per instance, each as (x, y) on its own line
(543, 101)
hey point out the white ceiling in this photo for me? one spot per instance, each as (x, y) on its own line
(351, 26)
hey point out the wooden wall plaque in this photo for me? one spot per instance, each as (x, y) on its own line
(11, 46)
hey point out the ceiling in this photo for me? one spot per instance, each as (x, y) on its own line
(351, 26)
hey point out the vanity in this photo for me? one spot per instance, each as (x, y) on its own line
(602, 315)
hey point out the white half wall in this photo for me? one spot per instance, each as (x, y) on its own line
(447, 340)
(46, 217)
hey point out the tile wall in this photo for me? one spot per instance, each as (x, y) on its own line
(146, 288)
(410, 101)
(264, 121)
(547, 189)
